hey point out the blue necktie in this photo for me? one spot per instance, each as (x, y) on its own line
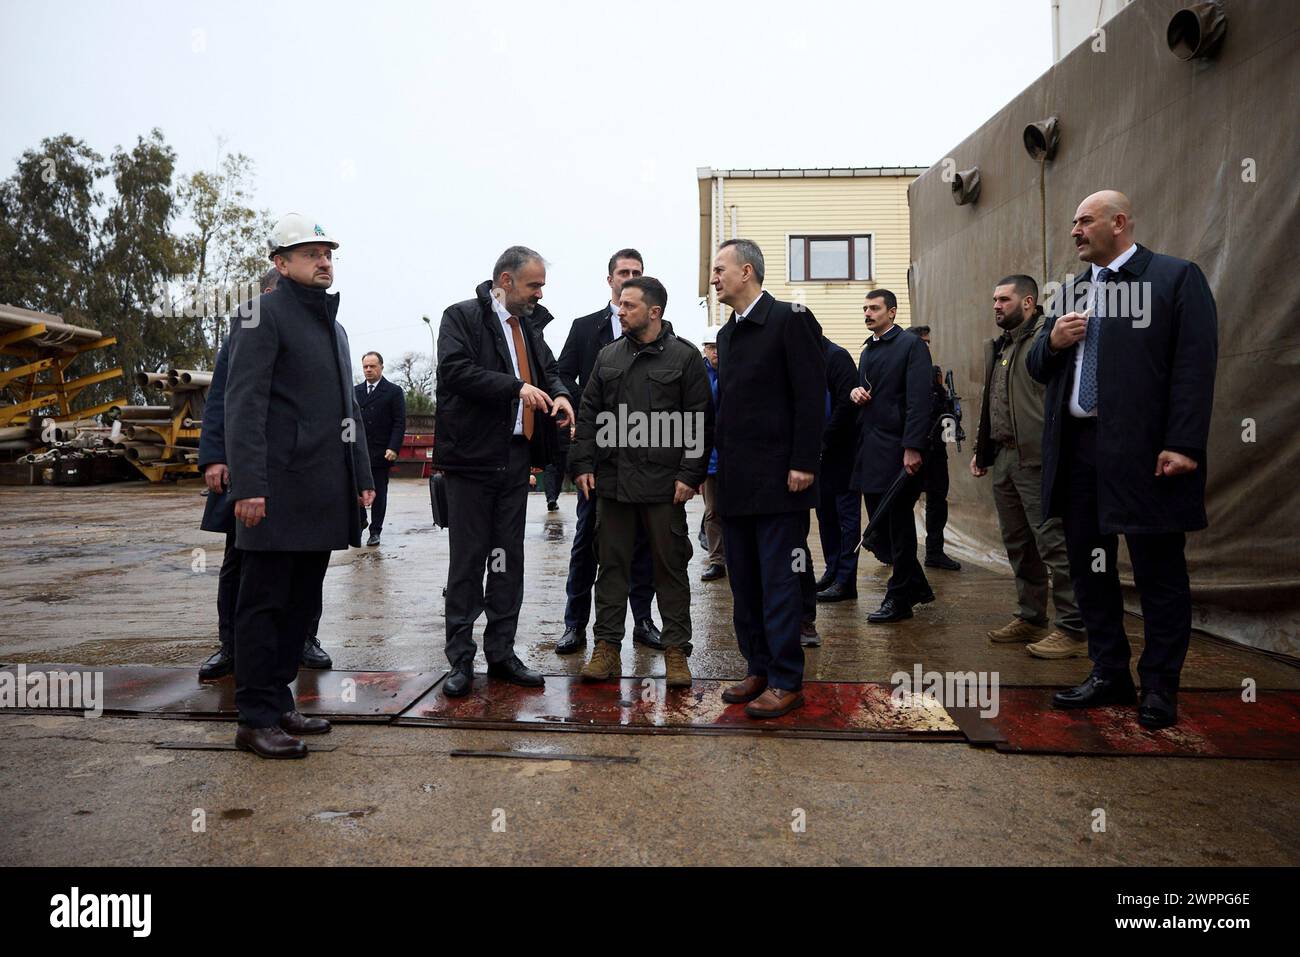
(1088, 372)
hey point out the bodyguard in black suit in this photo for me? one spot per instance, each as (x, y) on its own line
(1128, 358)
(383, 409)
(298, 468)
(839, 512)
(771, 397)
(500, 399)
(895, 396)
(587, 337)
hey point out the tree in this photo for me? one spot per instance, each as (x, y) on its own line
(138, 254)
(49, 231)
(228, 245)
(414, 373)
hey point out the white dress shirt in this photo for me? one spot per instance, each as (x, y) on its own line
(748, 309)
(503, 315)
(1076, 410)
(615, 326)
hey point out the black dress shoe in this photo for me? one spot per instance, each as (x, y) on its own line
(825, 581)
(1159, 709)
(573, 640)
(513, 671)
(269, 742)
(460, 680)
(552, 506)
(313, 655)
(890, 610)
(372, 541)
(219, 665)
(295, 722)
(808, 636)
(1097, 690)
(924, 598)
(942, 561)
(646, 632)
(713, 573)
(836, 591)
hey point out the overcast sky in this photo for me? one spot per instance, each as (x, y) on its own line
(428, 137)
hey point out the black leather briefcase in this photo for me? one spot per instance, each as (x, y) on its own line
(438, 499)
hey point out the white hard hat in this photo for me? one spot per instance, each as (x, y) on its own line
(294, 229)
(710, 336)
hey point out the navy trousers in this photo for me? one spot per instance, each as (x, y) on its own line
(765, 588)
(839, 523)
(1159, 572)
(379, 508)
(582, 570)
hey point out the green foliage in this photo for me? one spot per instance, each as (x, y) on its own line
(49, 230)
(101, 261)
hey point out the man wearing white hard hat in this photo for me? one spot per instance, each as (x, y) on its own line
(296, 450)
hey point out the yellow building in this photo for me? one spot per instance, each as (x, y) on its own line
(827, 235)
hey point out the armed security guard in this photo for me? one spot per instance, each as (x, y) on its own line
(645, 434)
(934, 477)
(298, 470)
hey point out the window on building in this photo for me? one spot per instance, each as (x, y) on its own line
(830, 258)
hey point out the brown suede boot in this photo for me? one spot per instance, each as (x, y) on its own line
(676, 670)
(1017, 630)
(605, 662)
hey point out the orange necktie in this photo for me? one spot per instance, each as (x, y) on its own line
(521, 355)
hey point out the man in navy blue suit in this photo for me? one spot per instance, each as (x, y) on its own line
(1128, 355)
(383, 410)
(771, 398)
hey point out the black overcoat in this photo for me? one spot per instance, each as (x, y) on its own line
(771, 408)
(1155, 391)
(293, 431)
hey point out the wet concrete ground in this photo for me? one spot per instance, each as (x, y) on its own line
(110, 575)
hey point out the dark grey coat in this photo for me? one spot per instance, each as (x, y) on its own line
(294, 433)
(1155, 392)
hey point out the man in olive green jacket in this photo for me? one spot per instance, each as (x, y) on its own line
(644, 435)
(1010, 441)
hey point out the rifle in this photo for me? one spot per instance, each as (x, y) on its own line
(951, 411)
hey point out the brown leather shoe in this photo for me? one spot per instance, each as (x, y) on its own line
(295, 722)
(269, 743)
(746, 690)
(773, 703)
